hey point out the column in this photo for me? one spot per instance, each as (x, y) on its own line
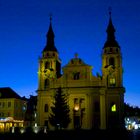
(102, 109)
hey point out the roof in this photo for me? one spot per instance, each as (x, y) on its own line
(76, 62)
(7, 92)
(50, 46)
(111, 41)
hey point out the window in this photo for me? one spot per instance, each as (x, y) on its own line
(76, 104)
(112, 82)
(80, 61)
(46, 83)
(75, 100)
(76, 122)
(2, 114)
(96, 107)
(46, 108)
(72, 62)
(3, 104)
(47, 54)
(110, 50)
(113, 107)
(112, 61)
(9, 104)
(8, 114)
(46, 123)
(82, 100)
(117, 50)
(53, 54)
(76, 76)
(47, 65)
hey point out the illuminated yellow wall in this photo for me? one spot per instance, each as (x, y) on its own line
(10, 107)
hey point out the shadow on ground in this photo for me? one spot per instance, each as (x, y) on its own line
(74, 135)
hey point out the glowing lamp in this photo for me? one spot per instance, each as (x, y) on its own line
(76, 107)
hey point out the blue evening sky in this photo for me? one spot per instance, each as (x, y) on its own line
(79, 26)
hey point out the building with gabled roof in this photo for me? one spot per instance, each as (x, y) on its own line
(12, 109)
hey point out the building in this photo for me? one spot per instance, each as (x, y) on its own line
(94, 101)
(12, 109)
(30, 114)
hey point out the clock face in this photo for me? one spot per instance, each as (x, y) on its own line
(110, 70)
(48, 73)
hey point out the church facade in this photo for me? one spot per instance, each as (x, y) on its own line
(94, 101)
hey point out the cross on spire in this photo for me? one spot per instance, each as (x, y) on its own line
(76, 55)
(50, 17)
(110, 10)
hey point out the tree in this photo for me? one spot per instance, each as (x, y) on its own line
(59, 118)
(131, 110)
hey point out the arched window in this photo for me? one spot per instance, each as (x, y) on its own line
(47, 65)
(117, 50)
(113, 107)
(110, 50)
(46, 83)
(76, 76)
(46, 108)
(112, 81)
(112, 61)
(96, 106)
(53, 54)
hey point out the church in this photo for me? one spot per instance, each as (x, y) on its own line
(95, 102)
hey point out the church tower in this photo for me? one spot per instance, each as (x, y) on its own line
(49, 70)
(49, 63)
(112, 59)
(112, 78)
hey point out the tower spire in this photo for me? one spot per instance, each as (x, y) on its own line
(50, 45)
(110, 29)
(50, 18)
(110, 9)
(110, 42)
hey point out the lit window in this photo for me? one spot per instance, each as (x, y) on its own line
(113, 108)
(76, 104)
(24, 108)
(76, 107)
(112, 81)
